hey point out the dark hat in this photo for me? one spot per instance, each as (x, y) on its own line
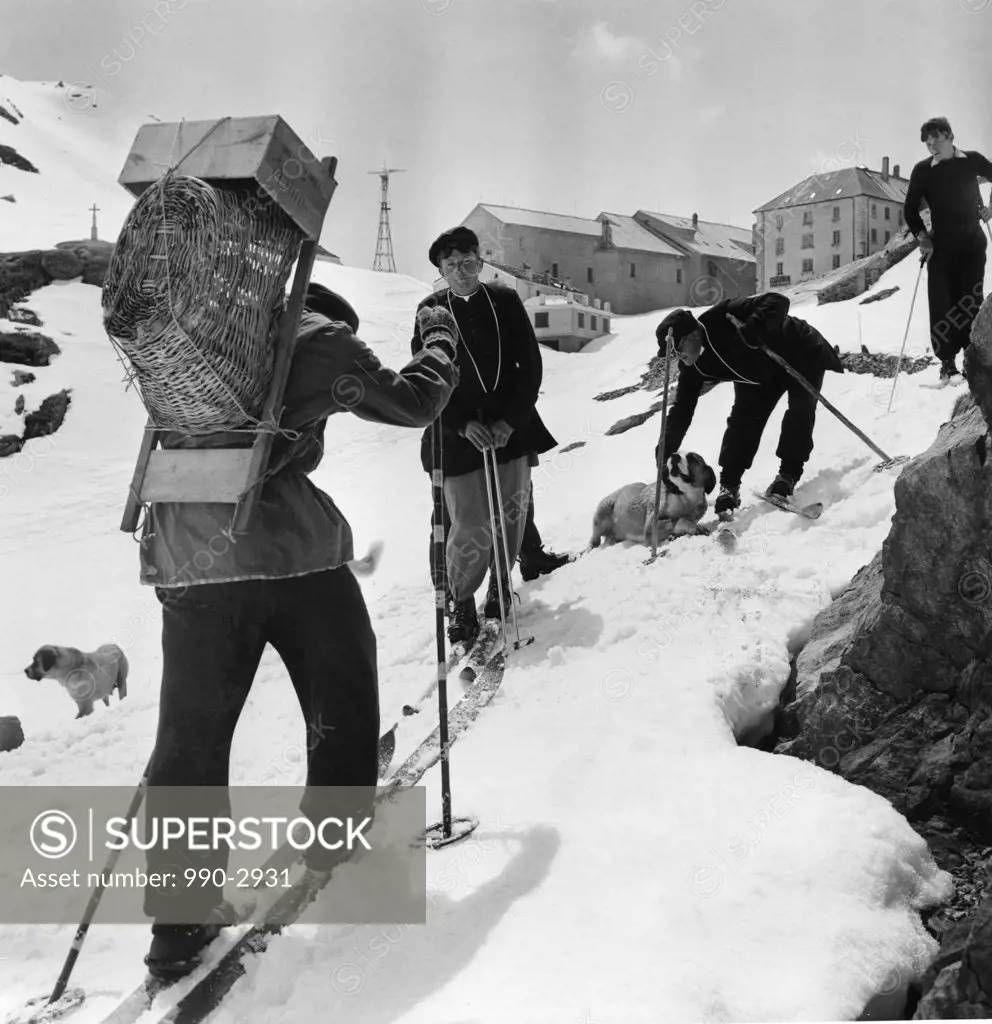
(327, 303)
(681, 321)
(461, 238)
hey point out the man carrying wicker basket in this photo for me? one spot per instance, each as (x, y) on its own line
(285, 582)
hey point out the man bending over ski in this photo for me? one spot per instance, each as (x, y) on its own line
(712, 348)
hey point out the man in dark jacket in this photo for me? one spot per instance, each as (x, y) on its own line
(493, 405)
(285, 582)
(955, 246)
(711, 348)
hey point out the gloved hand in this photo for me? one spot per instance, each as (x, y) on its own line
(986, 213)
(438, 328)
(926, 245)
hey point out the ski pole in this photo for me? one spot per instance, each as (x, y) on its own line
(809, 387)
(669, 342)
(923, 260)
(506, 554)
(440, 586)
(97, 894)
(495, 543)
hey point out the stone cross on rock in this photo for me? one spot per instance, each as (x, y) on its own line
(93, 235)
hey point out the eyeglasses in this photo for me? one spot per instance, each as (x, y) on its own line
(470, 265)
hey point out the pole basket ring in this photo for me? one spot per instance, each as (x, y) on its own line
(42, 1009)
(461, 828)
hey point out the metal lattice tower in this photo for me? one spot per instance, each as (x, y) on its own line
(384, 245)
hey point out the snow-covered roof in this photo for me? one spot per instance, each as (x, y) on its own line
(843, 184)
(627, 233)
(708, 238)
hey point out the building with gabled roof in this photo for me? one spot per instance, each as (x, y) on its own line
(720, 257)
(610, 258)
(826, 221)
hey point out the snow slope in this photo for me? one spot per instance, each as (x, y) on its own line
(633, 863)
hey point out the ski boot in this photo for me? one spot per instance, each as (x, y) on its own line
(781, 487)
(491, 608)
(463, 625)
(949, 373)
(727, 501)
(540, 563)
(175, 948)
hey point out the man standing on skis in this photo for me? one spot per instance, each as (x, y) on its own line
(712, 348)
(494, 405)
(955, 247)
(284, 582)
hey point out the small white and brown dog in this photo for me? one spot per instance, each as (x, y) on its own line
(86, 676)
(628, 513)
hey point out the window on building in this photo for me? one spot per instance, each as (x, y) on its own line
(592, 322)
(807, 217)
(541, 320)
(807, 241)
(779, 246)
(835, 263)
(807, 266)
(900, 219)
(874, 234)
(836, 213)
(888, 235)
(779, 269)
(874, 211)
(588, 275)
(606, 325)
(778, 223)
(836, 238)
(678, 275)
(713, 271)
(581, 319)
(633, 270)
(554, 269)
(888, 213)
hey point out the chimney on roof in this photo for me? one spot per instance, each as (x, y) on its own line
(695, 221)
(885, 168)
(895, 171)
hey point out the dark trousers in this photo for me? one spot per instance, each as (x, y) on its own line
(749, 415)
(955, 283)
(213, 637)
(530, 545)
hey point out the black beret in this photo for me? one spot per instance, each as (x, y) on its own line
(681, 321)
(460, 238)
(322, 300)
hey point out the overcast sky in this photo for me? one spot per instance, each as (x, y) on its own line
(571, 106)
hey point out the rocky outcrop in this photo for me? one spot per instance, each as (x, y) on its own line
(11, 733)
(958, 985)
(29, 348)
(894, 686)
(21, 273)
(10, 156)
(23, 377)
(48, 417)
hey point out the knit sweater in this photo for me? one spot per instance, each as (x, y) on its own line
(950, 188)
